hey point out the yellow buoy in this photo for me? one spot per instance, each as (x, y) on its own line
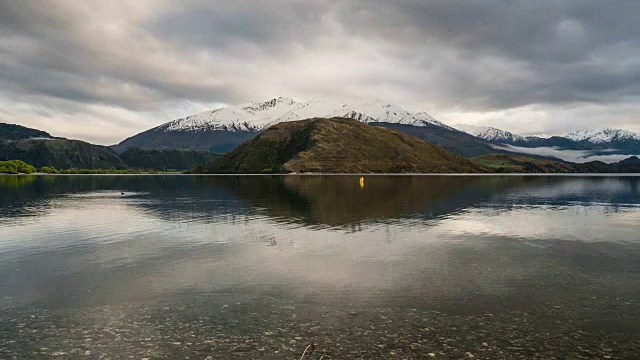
(361, 182)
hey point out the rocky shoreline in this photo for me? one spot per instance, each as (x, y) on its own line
(274, 330)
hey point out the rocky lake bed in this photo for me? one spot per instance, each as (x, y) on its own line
(202, 329)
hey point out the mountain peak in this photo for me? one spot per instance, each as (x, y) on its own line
(491, 134)
(260, 106)
(257, 116)
(598, 136)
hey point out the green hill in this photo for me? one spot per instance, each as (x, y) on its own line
(337, 145)
(61, 154)
(41, 149)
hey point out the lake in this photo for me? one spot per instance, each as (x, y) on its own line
(219, 267)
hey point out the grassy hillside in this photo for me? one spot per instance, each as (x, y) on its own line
(337, 145)
(166, 159)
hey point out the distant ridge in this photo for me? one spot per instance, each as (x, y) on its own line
(594, 136)
(39, 148)
(61, 154)
(12, 132)
(612, 141)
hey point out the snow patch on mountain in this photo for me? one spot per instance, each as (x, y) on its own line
(600, 136)
(491, 134)
(594, 136)
(257, 116)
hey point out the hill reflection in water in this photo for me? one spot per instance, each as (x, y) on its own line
(463, 244)
(322, 201)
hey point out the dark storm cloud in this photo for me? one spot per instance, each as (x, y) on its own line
(61, 51)
(562, 50)
(137, 60)
(543, 30)
(270, 26)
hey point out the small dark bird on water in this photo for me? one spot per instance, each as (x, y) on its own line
(122, 193)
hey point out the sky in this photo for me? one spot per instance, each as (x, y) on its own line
(102, 71)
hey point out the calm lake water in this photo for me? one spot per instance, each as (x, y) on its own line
(261, 266)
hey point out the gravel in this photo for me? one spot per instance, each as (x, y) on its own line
(269, 329)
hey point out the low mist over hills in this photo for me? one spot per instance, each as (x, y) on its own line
(593, 142)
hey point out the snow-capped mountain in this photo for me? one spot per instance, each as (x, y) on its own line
(491, 133)
(221, 130)
(600, 136)
(593, 136)
(260, 115)
(608, 145)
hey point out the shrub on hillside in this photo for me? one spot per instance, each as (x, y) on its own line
(7, 168)
(49, 170)
(16, 167)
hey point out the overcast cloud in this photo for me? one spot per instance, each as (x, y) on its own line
(105, 70)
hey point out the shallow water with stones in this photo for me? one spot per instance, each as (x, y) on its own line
(219, 267)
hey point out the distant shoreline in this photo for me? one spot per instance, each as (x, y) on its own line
(349, 174)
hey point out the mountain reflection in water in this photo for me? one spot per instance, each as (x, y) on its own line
(327, 201)
(553, 247)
